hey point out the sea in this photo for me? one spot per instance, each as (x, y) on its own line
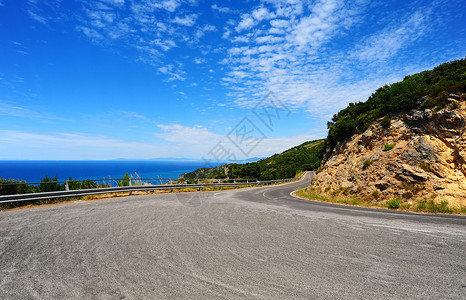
(34, 170)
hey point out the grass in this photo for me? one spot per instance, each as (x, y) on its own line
(388, 147)
(338, 196)
(310, 193)
(393, 203)
(432, 206)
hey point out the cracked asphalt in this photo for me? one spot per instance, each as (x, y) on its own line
(255, 243)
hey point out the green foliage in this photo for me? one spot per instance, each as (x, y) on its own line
(432, 206)
(388, 147)
(394, 203)
(13, 187)
(435, 84)
(124, 181)
(367, 164)
(49, 184)
(305, 157)
(385, 122)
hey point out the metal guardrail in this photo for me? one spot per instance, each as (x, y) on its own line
(133, 188)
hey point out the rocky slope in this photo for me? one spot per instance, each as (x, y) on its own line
(427, 159)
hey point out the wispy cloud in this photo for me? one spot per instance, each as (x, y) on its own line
(68, 145)
(37, 17)
(305, 55)
(134, 115)
(187, 135)
(153, 28)
(173, 72)
(188, 20)
(388, 42)
(14, 110)
(221, 9)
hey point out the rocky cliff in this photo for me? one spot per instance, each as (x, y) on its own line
(419, 154)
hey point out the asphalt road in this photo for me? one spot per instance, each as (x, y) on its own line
(256, 243)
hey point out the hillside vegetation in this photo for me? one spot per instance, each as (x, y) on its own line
(427, 89)
(287, 164)
(404, 148)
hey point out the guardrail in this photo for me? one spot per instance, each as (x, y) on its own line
(133, 188)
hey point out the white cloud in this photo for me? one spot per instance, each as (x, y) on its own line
(247, 22)
(188, 20)
(262, 14)
(91, 33)
(208, 27)
(134, 115)
(115, 2)
(37, 17)
(296, 54)
(387, 43)
(13, 110)
(164, 44)
(175, 73)
(187, 135)
(199, 61)
(169, 5)
(221, 9)
(65, 145)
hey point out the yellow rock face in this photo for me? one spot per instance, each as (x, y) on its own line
(427, 160)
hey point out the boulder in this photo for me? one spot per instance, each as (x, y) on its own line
(347, 185)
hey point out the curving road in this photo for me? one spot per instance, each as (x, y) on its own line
(256, 243)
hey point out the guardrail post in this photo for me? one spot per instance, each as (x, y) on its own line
(67, 188)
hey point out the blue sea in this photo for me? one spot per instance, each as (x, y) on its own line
(34, 170)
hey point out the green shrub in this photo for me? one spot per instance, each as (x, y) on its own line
(443, 207)
(394, 203)
(386, 122)
(367, 164)
(124, 181)
(432, 206)
(436, 84)
(388, 147)
(421, 204)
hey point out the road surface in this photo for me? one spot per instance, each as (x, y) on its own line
(255, 243)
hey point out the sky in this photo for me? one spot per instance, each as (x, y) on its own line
(212, 80)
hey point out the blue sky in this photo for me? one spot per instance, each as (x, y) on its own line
(105, 79)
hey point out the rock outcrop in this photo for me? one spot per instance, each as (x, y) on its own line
(427, 158)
